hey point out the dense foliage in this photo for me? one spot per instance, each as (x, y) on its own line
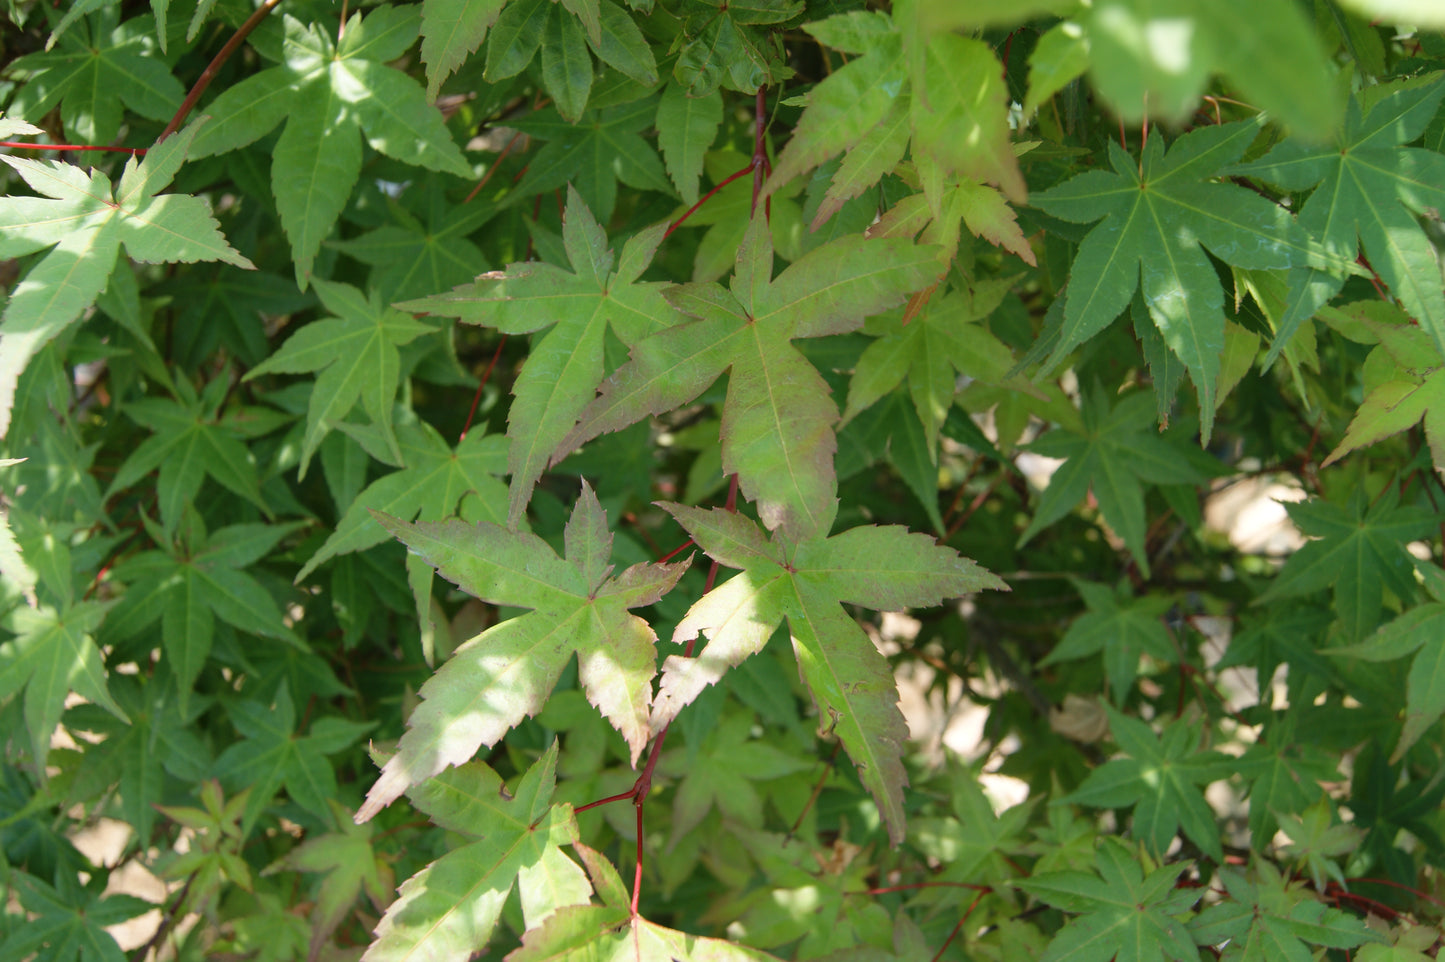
(690, 337)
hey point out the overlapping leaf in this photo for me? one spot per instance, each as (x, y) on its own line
(53, 654)
(1267, 918)
(271, 755)
(329, 94)
(87, 222)
(805, 581)
(1123, 914)
(506, 673)
(356, 353)
(1115, 451)
(1368, 191)
(1159, 216)
(1359, 551)
(58, 930)
(1123, 629)
(448, 910)
(732, 45)
(94, 74)
(187, 587)
(944, 91)
(777, 422)
(566, 363)
(604, 147)
(436, 479)
(1161, 777)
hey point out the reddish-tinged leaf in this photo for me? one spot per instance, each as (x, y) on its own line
(506, 673)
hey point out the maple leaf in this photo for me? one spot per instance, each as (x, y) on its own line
(592, 155)
(1156, 214)
(1284, 774)
(451, 30)
(1271, 917)
(946, 204)
(727, 43)
(358, 351)
(412, 258)
(506, 673)
(1359, 550)
(954, 109)
(434, 482)
(448, 910)
(87, 222)
(225, 306)
(777, 421)
(1415, 632)
(721, 775)
(927, 350)
(329, 93)
(351, 866)
(137, 754)
(272, 755)
(1317, 838)
(806, 581)
(12, 563)
(191, 440)
(686, 127)
(188, 586)
(51, 655)
(57, 929)
(1124, 628)
(1159, 777)
(1370, 189)
(566, 364)
(1124, 914)
(94, 75)
(1114, 450)
(1403, 379)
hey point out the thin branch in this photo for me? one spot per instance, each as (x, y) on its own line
(214, 67)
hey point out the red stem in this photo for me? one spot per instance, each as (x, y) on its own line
(492, 169)
(14, 145)
(478, 397)
(959, 924)
(705, 198)
(209, 74)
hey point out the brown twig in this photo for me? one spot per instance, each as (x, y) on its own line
(214, 67)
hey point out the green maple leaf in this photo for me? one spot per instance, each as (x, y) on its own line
(272, 755)
(1284, 774)
(1370, 191)
(563, 33)
(1416, 632)
(721, 775)
(1160, 778)
(1359, 550)
(973, 844)
(686, 128)
(191, 440)
(1123, 914)
(94, 75)
(225, 306)
(188, 586)
(449, 909)
(87, 222)
(412, 258)
(57, 929)
(777, 421)
(807, 581)
(433, 484)
(1123, 628)
(357, 348)
(727, 43)
(1116, 449)
(159, 738)
(1158, 217)
(329, 94)
(593, 154)
(1403, 381)
(1317, 838)
(953, 107)
(930, 350)
(348, 859)
(12, 563)
(506, 673)
(52, 655)
(566, 363)
(1272, 918)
